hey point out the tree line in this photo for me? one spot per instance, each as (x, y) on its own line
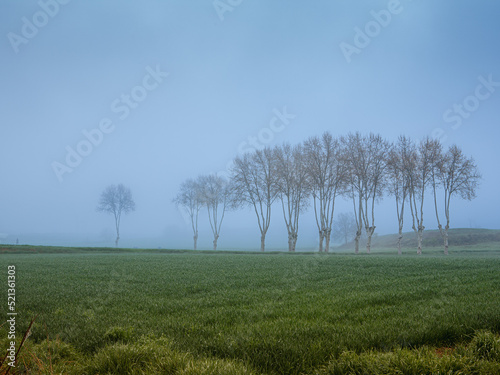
(360, 168)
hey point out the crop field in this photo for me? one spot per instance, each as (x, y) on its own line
(251, 313)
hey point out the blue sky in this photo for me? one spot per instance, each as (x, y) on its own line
(226, 80)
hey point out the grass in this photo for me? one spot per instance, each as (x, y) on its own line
(216, 313)
(425, 360)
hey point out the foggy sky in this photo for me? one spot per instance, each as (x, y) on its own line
(177, 89)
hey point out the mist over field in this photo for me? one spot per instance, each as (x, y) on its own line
(150, 94)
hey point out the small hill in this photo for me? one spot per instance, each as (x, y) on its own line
(432, 238)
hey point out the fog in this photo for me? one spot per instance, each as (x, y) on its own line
(151, 93)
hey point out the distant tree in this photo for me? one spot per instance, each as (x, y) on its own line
(400, 155)
(255, 183)
(189, 197)
(366, 158)
(455, 174)
(327, 175)
(217, 194)
(293, 187)
(419, 171)
(116, 199)
(344, 227)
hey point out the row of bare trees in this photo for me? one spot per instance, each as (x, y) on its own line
(360, 168)
(414, 169)
(210, 191)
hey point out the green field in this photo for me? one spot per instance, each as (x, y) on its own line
(252, 313)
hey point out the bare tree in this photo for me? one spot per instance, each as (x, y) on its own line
(366, 157)
(420, 172)
(327, 173)
(217, 195)
(377, 150)
(456, 175)
(397, 180)
(345, 227)
(293, 187)
(255, 184)
(116, 199)
(190, 199)
(356, 180)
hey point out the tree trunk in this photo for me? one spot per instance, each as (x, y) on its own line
(400, 237)
(327, 240)
(263, 242)
(321, 241)
(356, 242)
(446, 239)
(117, 226)
(117, 237)
(369, 233)
(292, 240)
(195, 238)
(444, 235)
(215, 242)
(420, 234)
(446, 244)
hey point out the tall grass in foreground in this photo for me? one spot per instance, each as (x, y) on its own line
(258, 313)
(8, 363)
(463, 359)
(152, 356)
